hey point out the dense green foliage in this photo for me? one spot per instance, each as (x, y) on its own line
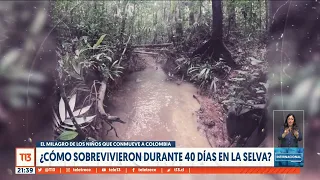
(96, 36)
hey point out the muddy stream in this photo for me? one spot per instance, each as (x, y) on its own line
(156, 109)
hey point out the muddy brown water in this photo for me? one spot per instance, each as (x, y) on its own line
(156, 109)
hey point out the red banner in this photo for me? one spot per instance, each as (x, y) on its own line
(166, 170)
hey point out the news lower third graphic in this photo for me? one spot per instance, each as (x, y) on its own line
(288, 157)
(153, 157)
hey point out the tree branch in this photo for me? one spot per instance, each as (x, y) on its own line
(64, 98)
(152, 45)
(124, 50)
(109, 119)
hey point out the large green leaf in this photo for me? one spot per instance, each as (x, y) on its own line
(99, 41)
(68, 135)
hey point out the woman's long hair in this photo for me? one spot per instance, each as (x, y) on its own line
(294, 126)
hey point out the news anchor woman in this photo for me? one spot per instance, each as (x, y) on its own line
(289, 133)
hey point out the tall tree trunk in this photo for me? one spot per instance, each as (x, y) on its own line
(155, 22)
(260, 18)
(123, 22)
(200, 11)
(164, 10)
(172, 15)
(133, 19)
(191, 14)
(251, 16)
(115, 18)
(176, 12)
(231, 16)
(142, 30)
(179, 23)
(217, 18)
(267, 14)
(215, 47)
(245, 15)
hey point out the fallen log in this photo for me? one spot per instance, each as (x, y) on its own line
(152, 45)
(143, 52)
(151, 49)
